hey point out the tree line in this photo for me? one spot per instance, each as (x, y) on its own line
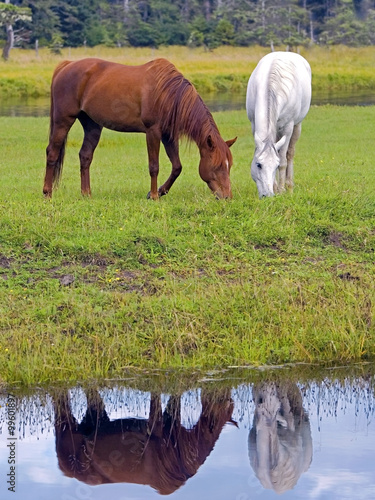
(208, 23)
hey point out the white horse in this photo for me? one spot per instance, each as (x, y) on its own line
(278, 99)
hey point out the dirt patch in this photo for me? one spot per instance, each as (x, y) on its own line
(275, 245)
(96, 261)
(67, 280)
(133, 281)
(127, 275)
(5, 262)
(335, 238)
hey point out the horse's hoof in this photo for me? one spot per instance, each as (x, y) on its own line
(149, 197)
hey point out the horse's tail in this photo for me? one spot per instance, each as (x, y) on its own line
(60, 161)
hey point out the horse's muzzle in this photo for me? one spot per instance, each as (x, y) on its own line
(266, 195)
(221, 196)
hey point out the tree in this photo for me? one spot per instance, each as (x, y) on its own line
(45, 24)
(79, 21)
(191, 22)
(224, 32)
(343, 27)
(166, 19)
(9, 15)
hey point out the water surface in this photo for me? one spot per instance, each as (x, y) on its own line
(216, 102)
(229, 435)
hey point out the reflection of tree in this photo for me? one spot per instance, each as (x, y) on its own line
(158, 451)
(280, 445)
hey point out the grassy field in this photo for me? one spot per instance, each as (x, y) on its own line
(223, 69)
(90, 287)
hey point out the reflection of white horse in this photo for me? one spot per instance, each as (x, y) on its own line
(278, 99)
(280, 445)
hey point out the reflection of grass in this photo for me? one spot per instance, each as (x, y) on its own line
(186, 281)
(224, 69)
(325, 392)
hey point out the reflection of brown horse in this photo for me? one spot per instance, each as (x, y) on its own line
(153, 98)
(159, 451)
(280, 445)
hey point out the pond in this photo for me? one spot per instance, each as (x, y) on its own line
(239, 434)
(215, 102)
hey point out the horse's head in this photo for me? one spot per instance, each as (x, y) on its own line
(265, 163)
(214, 167)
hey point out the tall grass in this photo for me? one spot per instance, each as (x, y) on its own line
(89, 287)
(223, 69)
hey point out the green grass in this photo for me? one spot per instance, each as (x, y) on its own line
(186, 281)
(225, 69)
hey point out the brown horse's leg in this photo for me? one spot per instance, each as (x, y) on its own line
(153, 147)
(91, 138)
(55, 154)
(171, 149)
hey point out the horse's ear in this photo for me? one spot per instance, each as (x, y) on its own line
(231, 142)
(210, 143)
(280, 143)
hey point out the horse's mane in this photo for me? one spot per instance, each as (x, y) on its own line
(281, 82)
(181, 108)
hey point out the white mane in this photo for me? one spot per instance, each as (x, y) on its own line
(281, 82)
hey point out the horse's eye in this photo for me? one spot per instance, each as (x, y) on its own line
(259, 165)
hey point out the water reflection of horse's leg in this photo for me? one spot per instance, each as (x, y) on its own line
(155, 416)
(153, 138)
(68, 437)
(63, 412)
(290, 155)
(171, 148)
(91, 138)
(95, 414)
(55, 152)
(172, 420)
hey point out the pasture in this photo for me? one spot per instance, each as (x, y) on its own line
(223, 69)
(91, 287)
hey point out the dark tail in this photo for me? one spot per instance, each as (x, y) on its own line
(59, 165)
(60, 161)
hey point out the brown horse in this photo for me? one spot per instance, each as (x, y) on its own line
(153, 98)
(158, 451)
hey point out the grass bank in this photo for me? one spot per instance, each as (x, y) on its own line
(226, 69)
(90, 287)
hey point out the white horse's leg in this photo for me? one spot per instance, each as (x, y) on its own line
(276, 183)
(282, 172)
(283, 166)
(290, 155)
